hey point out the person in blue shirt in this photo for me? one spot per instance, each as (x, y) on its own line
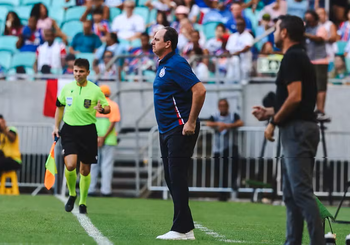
(30, 38)
(85, 42)
(178, 100)
(237, 11)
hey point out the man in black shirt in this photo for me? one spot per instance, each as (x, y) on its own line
(294, 115)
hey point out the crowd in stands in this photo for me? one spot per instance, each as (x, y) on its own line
(53, 33)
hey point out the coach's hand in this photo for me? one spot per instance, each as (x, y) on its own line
(98, 107)
(260, 113)
(189, 129)
(55, 133)
(269, 131)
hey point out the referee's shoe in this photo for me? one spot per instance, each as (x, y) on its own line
(70, 203)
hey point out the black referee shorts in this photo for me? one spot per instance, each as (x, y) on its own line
(81, 141)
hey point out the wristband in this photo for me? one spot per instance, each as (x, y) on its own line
(272, 121)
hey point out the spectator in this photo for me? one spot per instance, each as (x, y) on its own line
(93, 5)
(275, 9)
(161, 5)
(185, 35)
(239, 45)
(213, 15)
(203, 5)
(316, 36)
(266, 49)
(69, 69)
(107, 141)
(331, 32)
(114, 3)
(100, 27)
(216, 43)
(10, 155)
(30, 38)
(44, 22)
(254, 5)
(339, 71)
(224, 147)
(129, 26)
(236, 10)
(13, 26)
(297, 7)
(194, 12)
(181, 13)
(134, 66)
(50, 54)
(265, 24)
(201, 69)
(252, 11)
(86, 41)
(109, 74)
(79, 2)
(193, 44)
(344, 29)
(161, 22)
(112, 44)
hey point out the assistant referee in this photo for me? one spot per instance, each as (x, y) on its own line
(178, 99)
(79, 101)
(294, 115)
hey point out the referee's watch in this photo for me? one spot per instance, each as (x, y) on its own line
(103, 110)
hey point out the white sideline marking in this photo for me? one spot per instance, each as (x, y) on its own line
(88, 226)
(222, 238)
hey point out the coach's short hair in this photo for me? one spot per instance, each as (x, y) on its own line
(294, 26)
(82, 63)
(171, 35)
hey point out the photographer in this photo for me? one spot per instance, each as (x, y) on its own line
(10, 155)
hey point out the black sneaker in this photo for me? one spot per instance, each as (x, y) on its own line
(70, 203)
(82, 209)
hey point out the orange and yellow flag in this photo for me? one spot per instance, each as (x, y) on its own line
(51, 169)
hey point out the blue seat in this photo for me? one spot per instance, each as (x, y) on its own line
(8, 43)
(47, 3)
(114, 12)
(72, 28)
(152, 16)
(3, 13)
(6, 58)
(23, 12)
(143, 12)
(57, 14)
(135, 43)
(198, 27)
(10, 4)
(63, 3)
(209, 29)
(11, 74)
(74, 13)
(26, 59)
(341, 47)
(89, 56)
(141, 2)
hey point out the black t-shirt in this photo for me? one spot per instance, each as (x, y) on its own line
(296, 66)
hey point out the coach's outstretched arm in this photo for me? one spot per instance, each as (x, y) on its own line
(58, 119)
(198, 97)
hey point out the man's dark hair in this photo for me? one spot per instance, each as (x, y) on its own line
(222, 26)
(223, 100)
(97, 11)
(82, 63)
(114, 37)
(314, 14)
(171, 35)
(144, 34)
(1, 117)
(294, 26)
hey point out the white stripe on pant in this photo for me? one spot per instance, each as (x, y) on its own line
(105, 165)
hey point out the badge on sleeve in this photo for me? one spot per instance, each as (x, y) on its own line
(87, 103)
(69, 101)
(162, 72)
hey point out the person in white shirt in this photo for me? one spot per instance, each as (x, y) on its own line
(50, 54)
(214, 44)
(128, 25)
(239, 45)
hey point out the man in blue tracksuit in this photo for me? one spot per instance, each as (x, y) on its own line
(178, 99)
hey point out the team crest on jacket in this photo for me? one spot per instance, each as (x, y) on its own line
(87, 103)
(162, 72)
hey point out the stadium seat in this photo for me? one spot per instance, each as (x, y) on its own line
(13, 190)
(47, 3)
(72, 28)
(143, 12)
(152, 16)
(11, 74)
(8, 43)
(149, 76)
(5, 60)
(10, 4)
(62, 3)
(141, 2)
(341, 47)
(74, 13)
(25, 59)
(23, 12)
(3, 13)
(57, 14)
(136, 43)
(347, 63)
(89, 56)
(198, 27)
(209, 29)
(114, 12)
